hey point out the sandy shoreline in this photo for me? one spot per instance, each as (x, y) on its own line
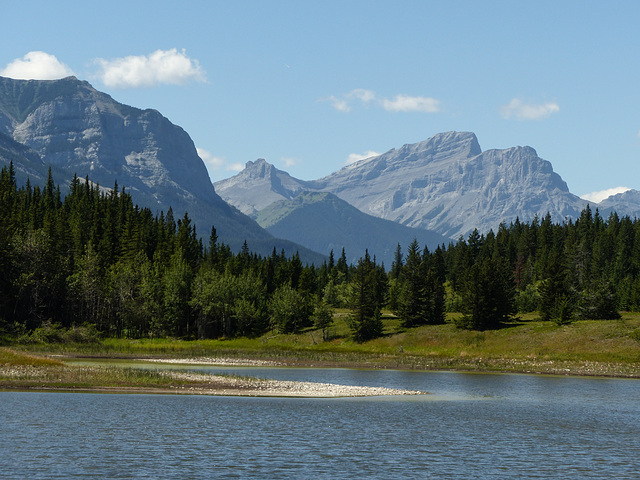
(279, 388)
(223, 361)
(31, 378)
(71, 378)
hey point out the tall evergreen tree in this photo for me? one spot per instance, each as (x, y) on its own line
(412, 303)
(487, 296)
(366, 319)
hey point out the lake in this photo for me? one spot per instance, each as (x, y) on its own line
(476, 426)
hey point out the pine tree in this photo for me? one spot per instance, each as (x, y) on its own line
(487, 296)
(398, 262)
(412, 303)
(366, 319)
(555, 294)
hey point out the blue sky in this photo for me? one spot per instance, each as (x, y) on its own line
(310, 86)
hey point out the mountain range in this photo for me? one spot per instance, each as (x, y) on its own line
(72, 128)
(323, 222)
(445, 184)
(434, 191)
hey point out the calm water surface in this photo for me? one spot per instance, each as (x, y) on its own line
(472, 426)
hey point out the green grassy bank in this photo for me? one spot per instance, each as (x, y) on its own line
(20, 371)
(605, 347)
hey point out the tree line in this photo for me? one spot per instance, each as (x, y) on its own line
(96, 258)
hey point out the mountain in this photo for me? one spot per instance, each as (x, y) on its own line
(74, 129)
(626, 203)
(27, 163)
(259, 185)
(323, 222)
(446, 184)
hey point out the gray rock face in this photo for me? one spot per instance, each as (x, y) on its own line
(259, 185)
(627, 203)
(74, 129)
(449, 185)
(446, 184)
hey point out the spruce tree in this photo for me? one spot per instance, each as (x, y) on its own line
(488, 300)
(412, 303)
(366, 319)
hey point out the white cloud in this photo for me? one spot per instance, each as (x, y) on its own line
(527, 111)
(597, 197)
(399, 103)
(160, 67)
(356, 157)
(362, 94)
(339, 104)
(235, 167)
(217, 165)
(405, 103)
(36, 66)
(289, 161)
(211, 161)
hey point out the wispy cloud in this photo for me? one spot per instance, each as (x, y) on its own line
(520, 110)
(210, 160)
(405, 103)
(160, 67)
(235, 167)
(290, 161)
(597, 197)
(36, 66)
(356, 157)
(339, 104)
(216, 165)
(362, 94)
(399, 103)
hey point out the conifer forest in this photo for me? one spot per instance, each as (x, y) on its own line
(95, 258)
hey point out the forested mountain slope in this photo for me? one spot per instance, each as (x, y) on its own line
(72, 128)
(323, 222)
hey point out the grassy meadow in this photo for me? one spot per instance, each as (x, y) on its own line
(527, 345)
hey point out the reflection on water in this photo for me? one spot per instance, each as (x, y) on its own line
(473, 426)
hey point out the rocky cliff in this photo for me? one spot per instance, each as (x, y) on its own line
(74, 129)
(259, 185)
(446, 184)
(627, 203)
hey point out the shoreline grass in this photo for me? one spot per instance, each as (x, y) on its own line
(528, 345)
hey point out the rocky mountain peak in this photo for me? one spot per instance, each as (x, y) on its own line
(259, 169)
(259, 185)
(71, 127)
(450, 143)
(626, 203)
(446, 184)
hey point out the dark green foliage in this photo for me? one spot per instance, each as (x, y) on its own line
(323, 318)
(488, 300)
(554, 290)
(367, 297)
(228, 305)
(420, 288)
(565, 310)
(598, 302)
(412, 303)
(94, 258)
(289, 311)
